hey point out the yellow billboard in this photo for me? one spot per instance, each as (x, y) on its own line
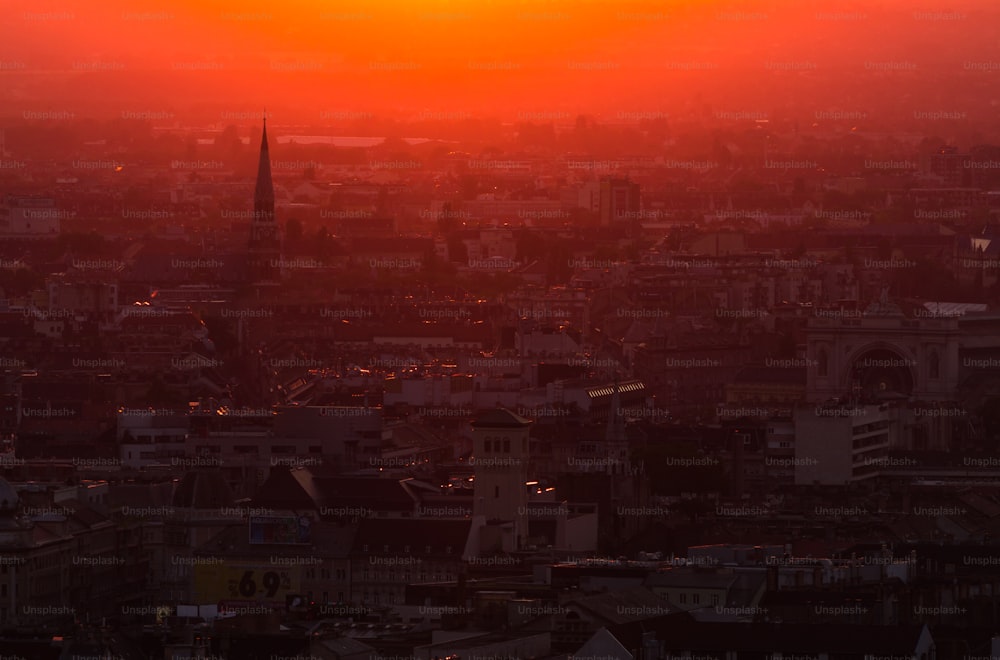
(245, 582)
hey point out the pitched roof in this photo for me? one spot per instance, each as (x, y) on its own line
(623, 605)
(500, 418)
(309, 488)
(203, 489)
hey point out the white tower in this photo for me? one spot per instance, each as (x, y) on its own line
(500, 455)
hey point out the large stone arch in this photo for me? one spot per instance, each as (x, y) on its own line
(880, 367)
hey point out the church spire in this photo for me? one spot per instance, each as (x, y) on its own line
(265, 239)
(263, 194)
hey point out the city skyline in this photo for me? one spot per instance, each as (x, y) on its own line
(533, 330)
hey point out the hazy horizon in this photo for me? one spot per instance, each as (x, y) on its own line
(307, 62)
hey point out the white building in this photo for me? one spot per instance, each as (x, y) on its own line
(500, 458)
(150, 436)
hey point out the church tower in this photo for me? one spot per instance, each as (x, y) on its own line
(265, 238)
(500, 452)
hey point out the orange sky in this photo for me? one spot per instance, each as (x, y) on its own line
(453, 55)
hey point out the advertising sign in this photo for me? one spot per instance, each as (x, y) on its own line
(281, 530)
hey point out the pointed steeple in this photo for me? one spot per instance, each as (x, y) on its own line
(263, 194)
(265, 238)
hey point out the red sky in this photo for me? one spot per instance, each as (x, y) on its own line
(304, 57)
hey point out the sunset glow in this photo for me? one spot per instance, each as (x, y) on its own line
(302, 58)
(500, 329)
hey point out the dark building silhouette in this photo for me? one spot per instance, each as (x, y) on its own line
(265, 238)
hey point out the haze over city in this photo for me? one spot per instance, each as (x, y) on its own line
(521, 330)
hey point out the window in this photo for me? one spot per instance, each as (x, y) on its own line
(696, 598)
(715, 600)
(496, 491)
(487, 446)
(682, 599)
(935, 366)
(824, 363)
(506, 445)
